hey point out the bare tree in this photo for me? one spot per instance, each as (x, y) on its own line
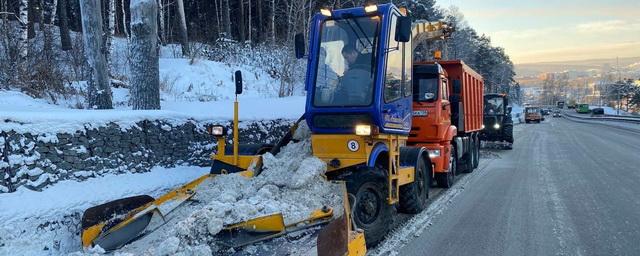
(241, 22)
(273, 21)
(249, 21)
(226, 20)
(99, 89)
(124, 21)
(63, 21)
(31, 15)
(145, 76)
(162, 32)
(111, 28)
(50, 11)
(23, 29)
(182, 27)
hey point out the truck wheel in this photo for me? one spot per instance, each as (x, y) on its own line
(508, 133)
(476, 151)
(445, 179)
(371, 212)
(413, 196)
(469, 157)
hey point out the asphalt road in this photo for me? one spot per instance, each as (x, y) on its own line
(567, 188)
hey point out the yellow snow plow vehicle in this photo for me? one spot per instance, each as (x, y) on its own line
(359, 118)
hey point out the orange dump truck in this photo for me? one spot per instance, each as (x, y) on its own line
(447, 116)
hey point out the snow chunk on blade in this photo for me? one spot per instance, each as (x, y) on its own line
(291, 183)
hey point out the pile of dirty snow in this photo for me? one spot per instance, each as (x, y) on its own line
(291, 183)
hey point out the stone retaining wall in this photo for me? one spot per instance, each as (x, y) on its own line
(38, 160)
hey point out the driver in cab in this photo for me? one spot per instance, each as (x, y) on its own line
(356, 84)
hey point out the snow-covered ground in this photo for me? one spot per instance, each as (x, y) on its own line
(47, 222)
(22, 113)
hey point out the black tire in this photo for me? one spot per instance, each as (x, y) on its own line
(413, 196)
(469, 157)
(371, 212)
(446, 179)
(476, 151)
(508, 133)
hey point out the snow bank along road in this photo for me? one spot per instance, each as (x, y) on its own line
(567, 188)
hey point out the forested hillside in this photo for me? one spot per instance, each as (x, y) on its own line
(41, 49)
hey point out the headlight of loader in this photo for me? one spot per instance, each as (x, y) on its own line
(434, 153)
(363, 130)
(496, 126)
(217, 130)
(482, 127)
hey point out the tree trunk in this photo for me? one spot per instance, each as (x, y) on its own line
(218, 28)
(24, 29)
(241, 23)
(50, 11)
(273, 21)
(182, 27)
(99, 90)
(260, 28)
(249, 19)
(226, 19)
(145, 76)
(125, 28)
(31, 17)
(161, 31)
(111, 27)
(63, 22)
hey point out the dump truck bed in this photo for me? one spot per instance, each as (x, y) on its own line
(471, 94)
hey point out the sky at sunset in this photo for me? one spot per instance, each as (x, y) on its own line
(544, 30)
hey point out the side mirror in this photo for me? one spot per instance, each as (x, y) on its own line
(509, 110)
(299, 45)
(403, 29)
(238, 77)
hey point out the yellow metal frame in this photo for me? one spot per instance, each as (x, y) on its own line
(330, 147)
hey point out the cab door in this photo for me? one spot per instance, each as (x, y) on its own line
(445, 104)
(397, 94)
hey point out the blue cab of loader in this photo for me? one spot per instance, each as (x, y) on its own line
(359, 111)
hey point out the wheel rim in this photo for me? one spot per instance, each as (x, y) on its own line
(420, 179)
(368, 206)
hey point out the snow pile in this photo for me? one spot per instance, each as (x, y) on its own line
(290, 183)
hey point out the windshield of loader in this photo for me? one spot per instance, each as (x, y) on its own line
(346, 62)
(494, 106)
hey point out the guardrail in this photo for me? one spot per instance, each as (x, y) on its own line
(615, 118)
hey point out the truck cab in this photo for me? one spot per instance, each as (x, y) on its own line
(447, 116)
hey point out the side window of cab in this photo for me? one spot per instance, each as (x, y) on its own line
(393, 81)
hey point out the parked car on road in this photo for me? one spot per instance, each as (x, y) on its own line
(597, 112)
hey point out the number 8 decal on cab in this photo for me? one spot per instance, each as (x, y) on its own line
(353, 145)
